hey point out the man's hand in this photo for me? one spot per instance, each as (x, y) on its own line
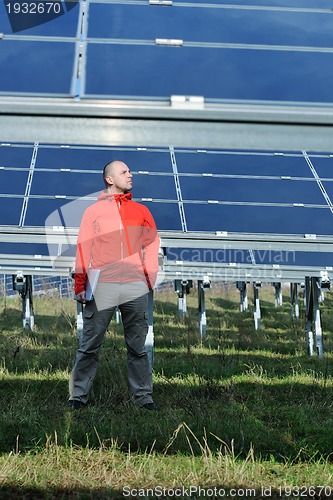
(81, 297)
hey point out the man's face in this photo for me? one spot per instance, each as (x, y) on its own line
(121, 178)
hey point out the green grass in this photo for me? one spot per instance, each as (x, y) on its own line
(242, 409)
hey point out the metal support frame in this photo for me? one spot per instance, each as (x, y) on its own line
(149, 344)
(23, 285)
(118, 316)
(257, 313)
(203, 285)
(314, 336)
(294, 301)
(182, 288)
(278, 293)
(239, 125)
(243, 301)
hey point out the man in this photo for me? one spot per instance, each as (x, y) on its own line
(117, 237)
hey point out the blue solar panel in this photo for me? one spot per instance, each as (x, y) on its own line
(253, 219)
(211, 25)
(323, 166)
(215, 73)
(55, 212)
(10, 211)
(166, 215)
(323, 4)
(36, 67)
(64, 25)
(240, 163)
(13, 182)
(15, 157)
(94, 159)
(250, 190)
(74, 184)
(72, 158)
(65, 183)
(155, 187)
(220, 190)
(328, 185)
(291, 258)
(24, 249)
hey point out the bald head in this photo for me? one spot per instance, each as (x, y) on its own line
(117, 177)
(110, 169)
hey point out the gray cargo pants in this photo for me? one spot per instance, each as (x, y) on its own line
(97, 316)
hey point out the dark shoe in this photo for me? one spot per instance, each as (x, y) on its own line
(151, 406)
(75, 405)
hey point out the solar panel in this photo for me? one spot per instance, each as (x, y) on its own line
(10, 211)
(242, 163)
(187, 190)
(218, 23)
(240, 74)
(60, 26)
(28, 67)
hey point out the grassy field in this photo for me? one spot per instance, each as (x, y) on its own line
(244, 414)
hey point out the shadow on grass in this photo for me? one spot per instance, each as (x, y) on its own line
(22, 493)
(276, 417)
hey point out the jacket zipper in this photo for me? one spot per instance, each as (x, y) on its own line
(121, 230)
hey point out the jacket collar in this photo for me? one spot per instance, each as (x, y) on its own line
(119, 198)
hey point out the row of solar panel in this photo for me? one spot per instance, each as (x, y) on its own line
(294, 51)
(215, 74)
(220, 23)
(236, 216)
(156, 186)
(154, 160)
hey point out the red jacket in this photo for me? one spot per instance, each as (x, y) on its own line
(119, 237)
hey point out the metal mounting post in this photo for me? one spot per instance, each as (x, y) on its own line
(257, 313)
(243, 302)
(278, 294)
(203, 285)
(149, 344)
(118, 316)
(312, 294)
(182, 288)
(23, 285)
(294, 301)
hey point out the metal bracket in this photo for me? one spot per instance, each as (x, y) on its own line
(294, 301)
(257, 313)
(170, 42)
(182, 288)
(23, 285)
(278, 293)
(192, 101)
(203, 285)
(314, 338)
(161, 2)
(243, 302)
